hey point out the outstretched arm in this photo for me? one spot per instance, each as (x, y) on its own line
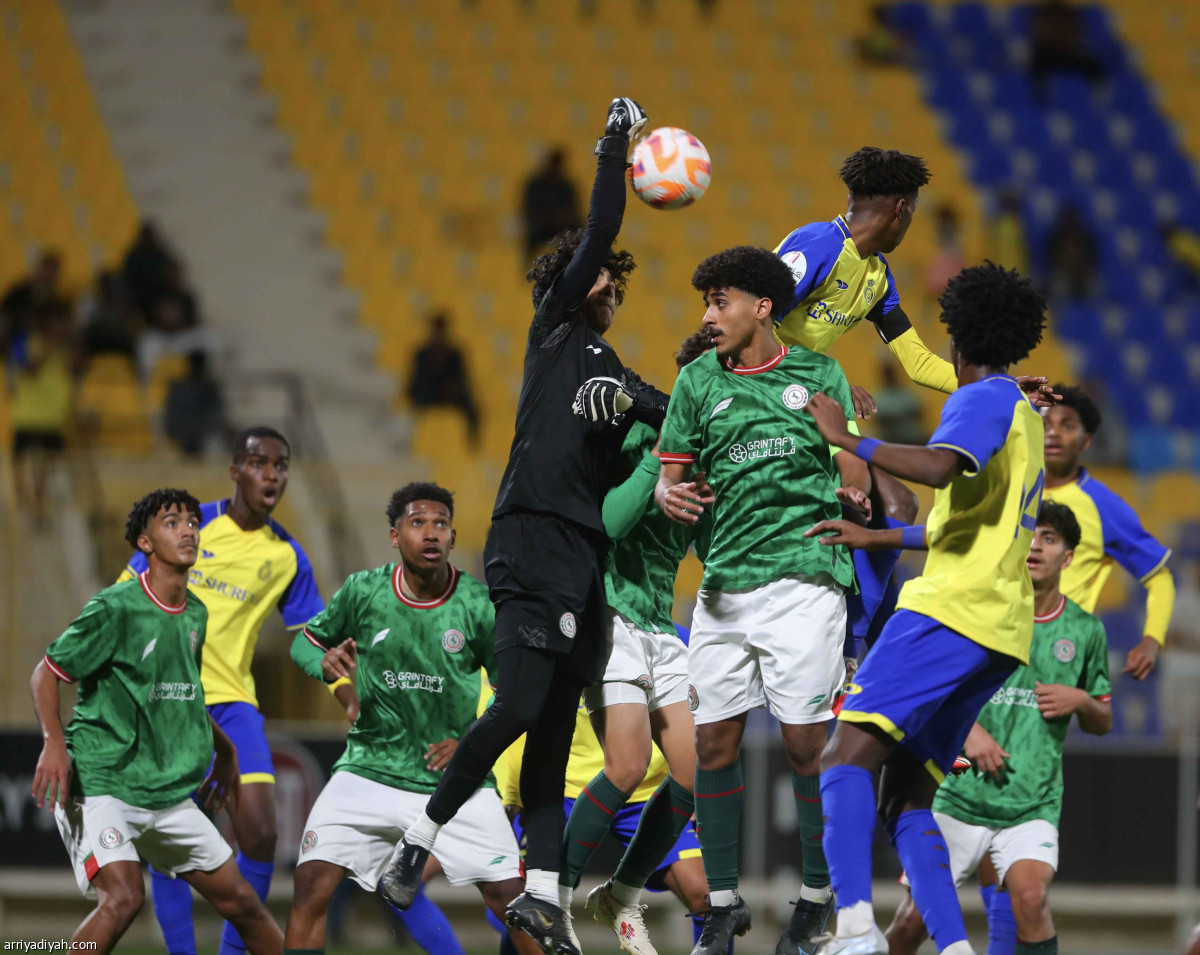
(921, 365)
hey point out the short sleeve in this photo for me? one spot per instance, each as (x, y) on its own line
(680, 439)
(1095, 677)
(838, 388)
(976, 421)
(301, 601)
(1125, 539)
(84, 647)
(333, 624)
(810, 252)
(891, 298)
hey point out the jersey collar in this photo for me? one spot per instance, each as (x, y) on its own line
(842, 226)
(158, 603)
(758, 369)
(1055, 613)
(398, 575)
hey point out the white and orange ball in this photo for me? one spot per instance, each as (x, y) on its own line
(671, 168)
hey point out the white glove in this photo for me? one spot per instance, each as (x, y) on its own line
(601, 399)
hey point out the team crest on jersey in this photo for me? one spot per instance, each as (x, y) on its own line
(1064, 651)
(644, 682)
(264, 572)
(110, 838)
(795, 397)
(453, 641)
(797, 263)
(693, 698)
(309, 840)
(566, 623)
(193, 639)
(869, 291)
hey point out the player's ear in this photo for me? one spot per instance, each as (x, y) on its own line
(144, 544)
(453, 539)
(1087, 443)
(1068, 556)
(395, 536)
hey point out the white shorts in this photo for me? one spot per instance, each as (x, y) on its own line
(356, 823)
(967, 845)
(643, 667)
(98, 830)
(778, 645)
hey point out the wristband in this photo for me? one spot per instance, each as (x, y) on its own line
(866, 448)
(913, 537)
(340, 681)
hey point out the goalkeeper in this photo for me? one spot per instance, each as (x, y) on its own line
(547, 550)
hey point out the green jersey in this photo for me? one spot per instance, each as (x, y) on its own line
(649, 545)
(418, 669)
(139, 731)
(767, 463)
(1069, 647)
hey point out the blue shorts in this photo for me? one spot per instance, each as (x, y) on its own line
(924, 684)
(243, 724)
(625, 824)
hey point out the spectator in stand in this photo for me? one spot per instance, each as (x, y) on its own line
(146, 264)
(32, 297)
(549, 204)
(1006, 233)
(948, 260)
(44, 380)
(439, 375)
(109, 319)
(172, 322)
(1072, 255)
(1056, 33)
(898, 410)
(195, 413)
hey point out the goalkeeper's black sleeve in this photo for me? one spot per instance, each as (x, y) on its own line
(649, 404)
(604, 222)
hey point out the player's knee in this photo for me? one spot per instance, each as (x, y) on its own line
(901, 504)
(907, 931)
(804, 758)
(239, 904)
(260, 845)
(309, 896)
(1030, 901)
(715, 750)
(626, 766)
(124, 903)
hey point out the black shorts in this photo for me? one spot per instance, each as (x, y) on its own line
(546, 577)
(46, 440)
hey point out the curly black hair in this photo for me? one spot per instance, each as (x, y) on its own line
(695, 345)
(548, 266)
(995, 316)
(1073, 396)
(1062, 519)
(883, 172)
(145, 510)
(242, 441)
(758, 272)
(417, 491)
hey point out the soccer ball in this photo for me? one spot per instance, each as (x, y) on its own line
(671, 168)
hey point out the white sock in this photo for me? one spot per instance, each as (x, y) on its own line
(625, 894)
(423, 832)
(810, 894)
(722, 898)
(856, 919)
(565, 892)
(958, 948)
(542, 884)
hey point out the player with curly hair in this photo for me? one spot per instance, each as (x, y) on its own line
(770, 619)
(546, 551)
(960, 628)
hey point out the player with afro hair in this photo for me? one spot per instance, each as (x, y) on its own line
(994, 316)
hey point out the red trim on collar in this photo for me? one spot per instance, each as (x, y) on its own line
(398, 575)
(759, 369)
(158, 603)
(1055, 613)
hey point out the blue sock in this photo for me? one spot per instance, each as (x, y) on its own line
(507, 945)
(923, 854)
(494, 921)
(429, 927)
(1002, 924)
(258, 874)
(698, 927)
(173, 909)
(848, 798)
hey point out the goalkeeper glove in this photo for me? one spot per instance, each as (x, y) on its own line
(601, 399)
(626, 120)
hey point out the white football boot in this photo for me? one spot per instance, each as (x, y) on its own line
(625, 920)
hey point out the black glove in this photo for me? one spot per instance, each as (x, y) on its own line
(626, 120)
(649, 404)
(601, 399)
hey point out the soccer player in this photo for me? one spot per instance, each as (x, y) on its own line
(139, 742)
(641, 701)
(770, 620)
(546, 551)
(413, 635)
(1111, 531)
(247, 567)
(960, 628)
(1008, 808)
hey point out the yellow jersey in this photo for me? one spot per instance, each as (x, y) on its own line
(975, 579)
(587, 759)
(1110, 532)
(242, 576)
